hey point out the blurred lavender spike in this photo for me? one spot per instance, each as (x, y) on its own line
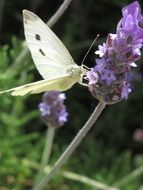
(52, 109)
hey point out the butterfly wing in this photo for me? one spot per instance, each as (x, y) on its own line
(60, 83)
(51, 58)
(49, 54)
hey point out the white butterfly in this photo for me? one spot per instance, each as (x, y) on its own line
(51, 58)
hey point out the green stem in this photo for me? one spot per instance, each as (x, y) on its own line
(72, 146)
(87, 181)
(46, 152)
(48, 146)
(129, 177)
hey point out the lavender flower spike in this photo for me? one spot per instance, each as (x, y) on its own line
(53, 110)
(110, 79)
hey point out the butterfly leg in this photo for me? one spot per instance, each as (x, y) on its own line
(84, 84)
(86, 67)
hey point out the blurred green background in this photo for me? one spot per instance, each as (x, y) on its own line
(113, 149)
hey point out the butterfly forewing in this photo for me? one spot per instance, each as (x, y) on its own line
(49, 54)
(51, 58)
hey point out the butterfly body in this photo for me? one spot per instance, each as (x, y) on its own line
(51, 58)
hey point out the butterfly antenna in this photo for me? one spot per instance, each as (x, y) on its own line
(89, 49)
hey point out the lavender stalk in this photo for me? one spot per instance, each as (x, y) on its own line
(81, 134)
(46, 152)
(48, 146)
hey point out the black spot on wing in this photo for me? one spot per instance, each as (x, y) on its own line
(38, 37)
(41, 51)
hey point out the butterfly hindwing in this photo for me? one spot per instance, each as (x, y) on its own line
(60, 83)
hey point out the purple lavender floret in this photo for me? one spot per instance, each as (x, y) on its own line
(117, 56)
(53, 110)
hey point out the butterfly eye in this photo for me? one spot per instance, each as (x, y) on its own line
(41, 51)
(38, 37)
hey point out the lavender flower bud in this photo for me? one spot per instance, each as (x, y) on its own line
(110, 79)
(53, 110)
